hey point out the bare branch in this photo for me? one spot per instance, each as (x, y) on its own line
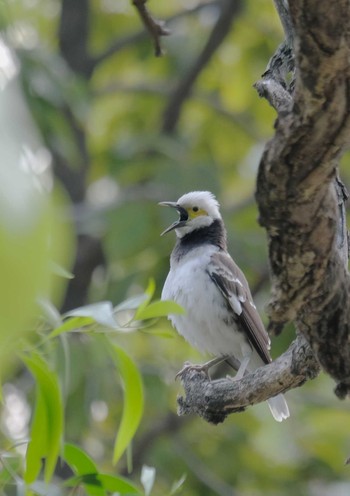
(229, 10)
(215, 400)
(126, 41)
(155, 28)
(73, 36)
(286, 21)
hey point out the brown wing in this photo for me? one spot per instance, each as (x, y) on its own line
(233, 285)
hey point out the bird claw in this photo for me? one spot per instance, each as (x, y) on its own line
(190, 366)
(201, 368)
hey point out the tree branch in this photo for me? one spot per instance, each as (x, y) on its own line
(229, 10)
(300, 197)
(73, 36)
(274, 84)
(215, 400)
(132, 39)
(155, 28)
(301, 202)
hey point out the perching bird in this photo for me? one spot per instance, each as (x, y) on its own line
(220, 317)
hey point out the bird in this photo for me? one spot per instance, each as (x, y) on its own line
(220, 316)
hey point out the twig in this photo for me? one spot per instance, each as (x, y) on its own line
(132, 39)
(155, 27)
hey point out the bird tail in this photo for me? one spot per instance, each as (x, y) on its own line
(278, 407)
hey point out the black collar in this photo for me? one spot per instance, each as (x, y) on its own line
(215, 234)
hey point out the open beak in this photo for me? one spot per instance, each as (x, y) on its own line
(178, 223)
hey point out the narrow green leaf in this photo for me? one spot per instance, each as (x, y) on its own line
(148, 296)
(150, 289)
(159, 309)
(78, 460)
(38, 445)
(108, 482)
(82, 464)
(158, 331)
(130, 303)
(133, 400)
(118, 484)
(177, 485)
(47, 424)
(101, 312)
(51, 313)
(60, 271)
(72, 324)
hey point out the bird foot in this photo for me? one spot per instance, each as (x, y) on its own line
(190, 366)
(201, 368)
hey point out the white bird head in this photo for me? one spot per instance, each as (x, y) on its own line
(197, 209)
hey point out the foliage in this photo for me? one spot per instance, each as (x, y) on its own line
(47, 429)
(77, 331)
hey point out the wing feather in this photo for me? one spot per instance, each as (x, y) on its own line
(233, 285)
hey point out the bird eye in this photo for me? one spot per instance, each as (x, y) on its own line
(195, 209)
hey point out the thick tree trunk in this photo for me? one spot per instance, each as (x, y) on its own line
(298, 192)
(301, 204)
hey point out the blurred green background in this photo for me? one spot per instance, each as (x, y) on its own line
(95, 130)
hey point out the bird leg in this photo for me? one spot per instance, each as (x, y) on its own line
(202, 368)
(242, 368)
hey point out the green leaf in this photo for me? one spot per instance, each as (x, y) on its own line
(82, 464)
(148, 296)
(72, 324)
(101, 312)
(133, 400)
(60, 271)
(47, 424)
(51, 314)
(38, 445)
(78, 460)
(177, 485)
(108, 482)
(118, 484)
(159, 309)
(131, 303)
(159, 331)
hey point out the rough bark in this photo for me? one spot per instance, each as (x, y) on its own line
(301, 203)
(300, 197)
(214, 400)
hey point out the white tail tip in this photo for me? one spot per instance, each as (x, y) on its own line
(278, 407)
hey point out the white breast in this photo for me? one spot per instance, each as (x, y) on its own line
(205, 324)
